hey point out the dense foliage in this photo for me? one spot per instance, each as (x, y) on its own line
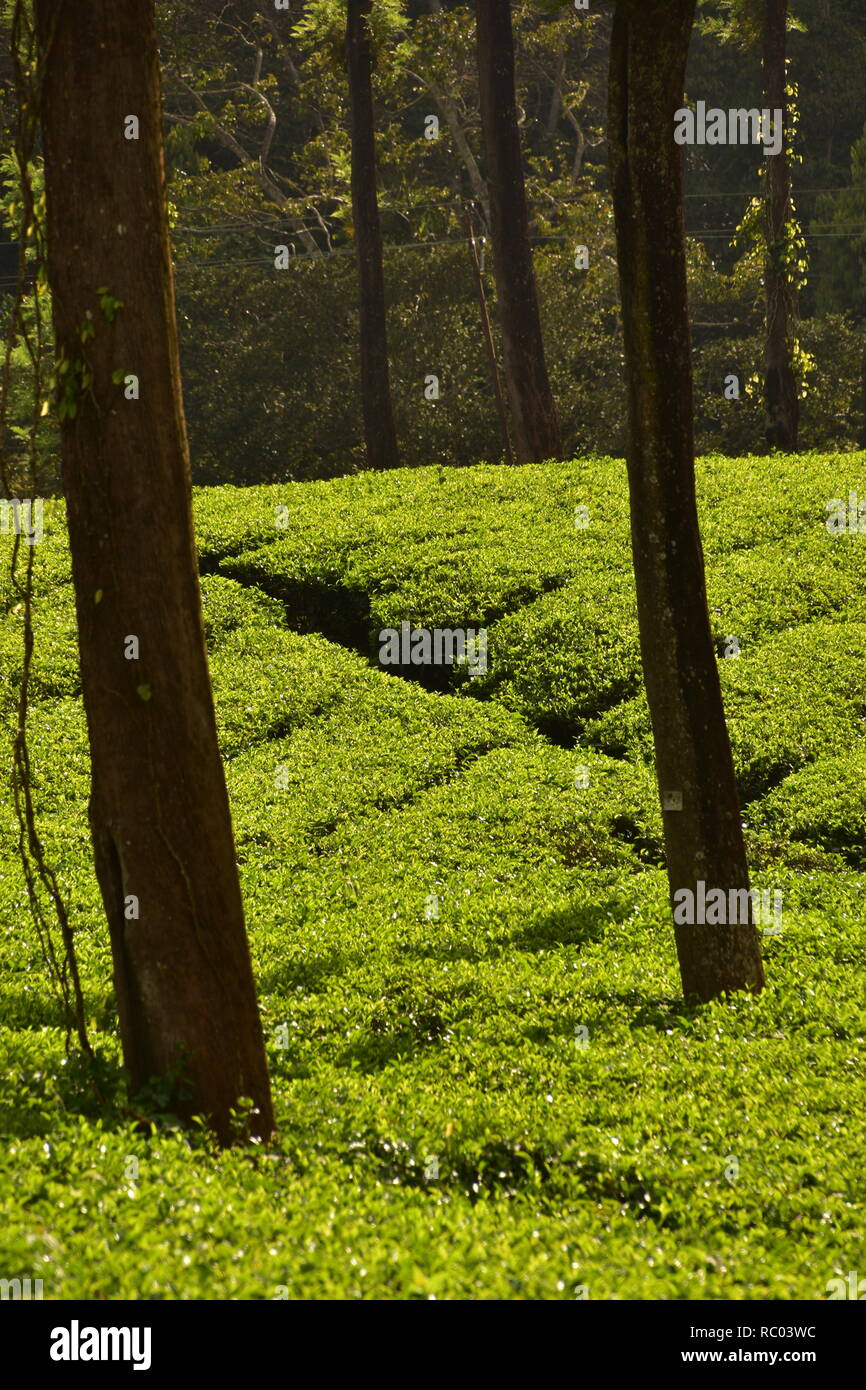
(270, 356)
(486, 1083)
(258, 152)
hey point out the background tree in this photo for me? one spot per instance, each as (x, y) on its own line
(271, 381)
(533, 412)
(702, 826)
(159, 813)
(379, 429)
(781, 392)
(748, 29)
(843, 215)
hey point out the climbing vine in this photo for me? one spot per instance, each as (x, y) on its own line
(27, 334)
(786, 255)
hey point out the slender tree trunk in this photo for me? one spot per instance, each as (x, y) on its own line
(703, 835)
(780, 384)
(448, 106)
(159, 813)
(555, 109)
(379, 430)
(536, 427)
(496, 379)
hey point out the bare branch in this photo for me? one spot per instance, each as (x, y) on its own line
(448, 107)
(271, 126)
(256, 165)
(581, 143)
(285, 55)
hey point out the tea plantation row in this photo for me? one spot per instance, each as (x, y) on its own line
(486, 1082)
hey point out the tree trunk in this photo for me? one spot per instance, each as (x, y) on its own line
(536, 428)
(490, 346)
(780, 384)
(159, 813)
(448, 106)
(379, 431)
(703, 835)
(555, 109)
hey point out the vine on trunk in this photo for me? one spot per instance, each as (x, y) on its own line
(787, 256)
(27, 325)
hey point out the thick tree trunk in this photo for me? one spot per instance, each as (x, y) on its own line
(159, 812)
(780, 384)
(379, 432)
(536, 428)
(703, 835)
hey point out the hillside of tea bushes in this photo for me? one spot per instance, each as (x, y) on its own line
(486, 1081)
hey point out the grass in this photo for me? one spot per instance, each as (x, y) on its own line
(486, 1081)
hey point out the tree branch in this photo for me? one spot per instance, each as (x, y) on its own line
(256, 165)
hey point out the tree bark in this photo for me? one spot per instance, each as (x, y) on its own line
(536, 427)
(490, 346)
(555, 109)
(448, 106)
(703, 839)
(780, 384)
(159, 812)
(379, 431)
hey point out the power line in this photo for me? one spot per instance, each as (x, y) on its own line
(461, 241)
(328, 195)
(182, 266)
(457, 205)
